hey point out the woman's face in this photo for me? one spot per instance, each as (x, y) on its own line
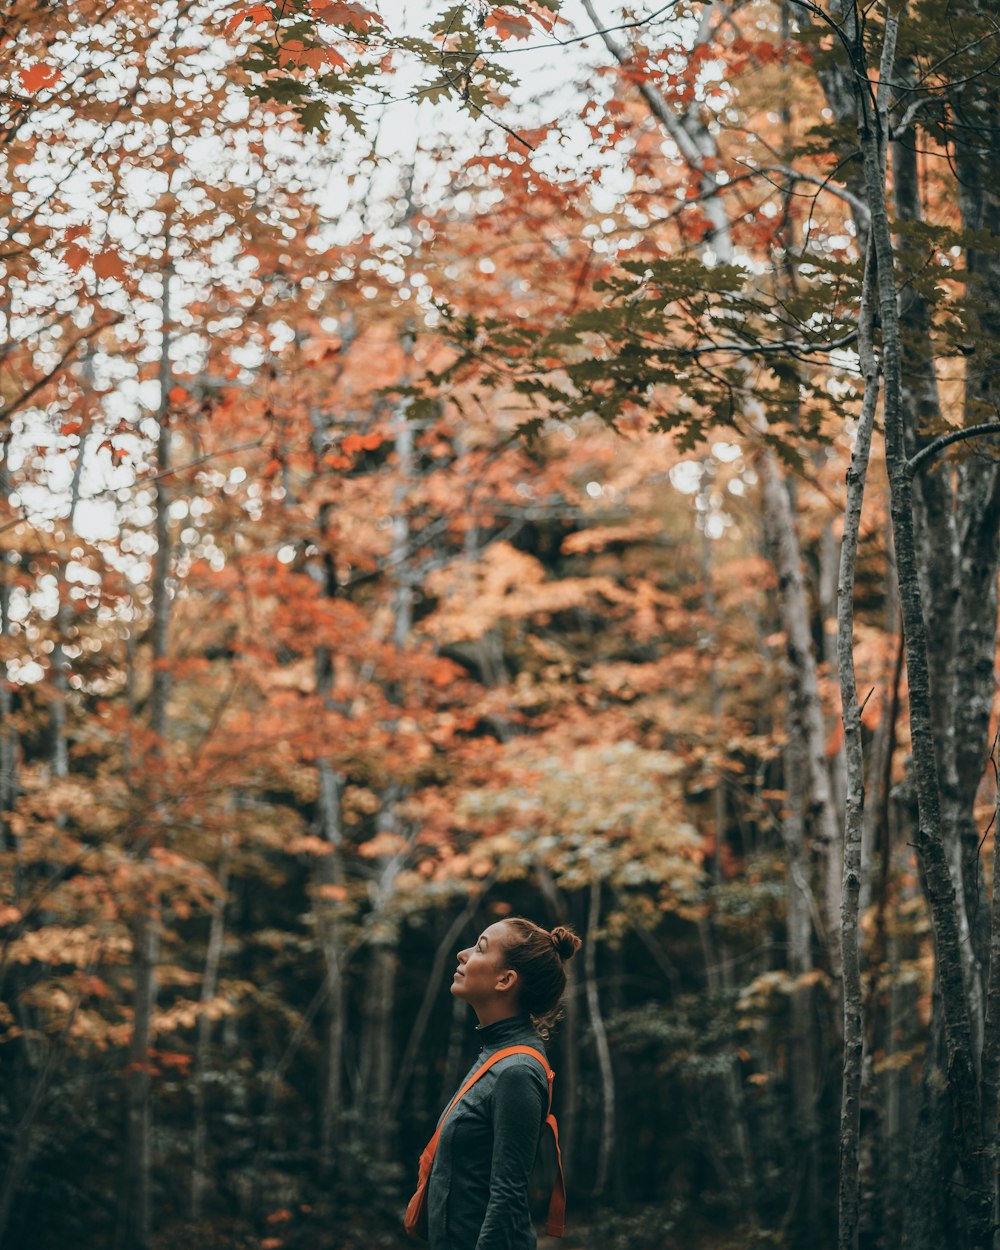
(481, 974)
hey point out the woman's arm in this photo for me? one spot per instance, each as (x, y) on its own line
(519, 1105)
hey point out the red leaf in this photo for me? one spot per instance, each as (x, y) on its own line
(108, 264)
(71, 427)
(76, 257)
(271, 468)
(37, 76)
(257, 13)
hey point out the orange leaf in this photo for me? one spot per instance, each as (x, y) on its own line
(76, 257)
(294, 52)
(352, 443)
(370, 441)
(108, 264)
(271, 468)
(71, 427)
(509, 25)
(37, 76)
(339, 14)
(177, 394)
(257, 13)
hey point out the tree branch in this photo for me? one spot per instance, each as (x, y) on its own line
(927, 453)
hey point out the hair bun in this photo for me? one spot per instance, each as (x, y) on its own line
(566, 942)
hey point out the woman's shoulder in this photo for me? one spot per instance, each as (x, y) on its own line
(521, 1071)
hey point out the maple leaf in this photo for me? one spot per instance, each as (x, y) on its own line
(294, 52)
(108, 264)
(509, 25)
(38, 76)
(337, 13)
(313, 116)
(76, 256)
(257, 13)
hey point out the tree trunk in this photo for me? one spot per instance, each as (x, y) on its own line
(569, 1072)
(134, 1219)
(804, 689)
(606, 1141)
(8, 733)
(60, 662)
(200, 1163)
(962, 1079)
(850, 1103)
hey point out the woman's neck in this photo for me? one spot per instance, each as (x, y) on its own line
(494, 1013)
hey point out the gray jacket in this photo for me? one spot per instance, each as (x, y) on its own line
(477, 1197)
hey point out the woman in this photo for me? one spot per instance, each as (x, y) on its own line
(477, 1195)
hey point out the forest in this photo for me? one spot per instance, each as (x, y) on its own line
(473, 460)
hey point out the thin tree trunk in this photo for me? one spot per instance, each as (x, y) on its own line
(805, 689)
(209, 982)
(8, 733)
(827, 588)
(60, 662)
(330, 895)
(569, 1075)
(850, 1103)
(606, 1141)
(135, 1221)
(801, 919)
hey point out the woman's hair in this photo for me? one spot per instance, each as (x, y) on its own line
(538, 956)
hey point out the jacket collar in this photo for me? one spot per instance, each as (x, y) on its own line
(512, 1030)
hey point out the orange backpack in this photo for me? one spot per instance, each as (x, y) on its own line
(415, 1220)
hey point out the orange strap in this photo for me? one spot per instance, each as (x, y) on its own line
(557, 1203)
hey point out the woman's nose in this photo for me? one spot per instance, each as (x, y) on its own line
(463, 955)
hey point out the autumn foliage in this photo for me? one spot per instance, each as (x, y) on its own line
(386, 548)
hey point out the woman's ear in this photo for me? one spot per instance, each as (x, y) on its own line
(507, 981)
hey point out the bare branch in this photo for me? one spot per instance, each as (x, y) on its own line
(927, 453)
